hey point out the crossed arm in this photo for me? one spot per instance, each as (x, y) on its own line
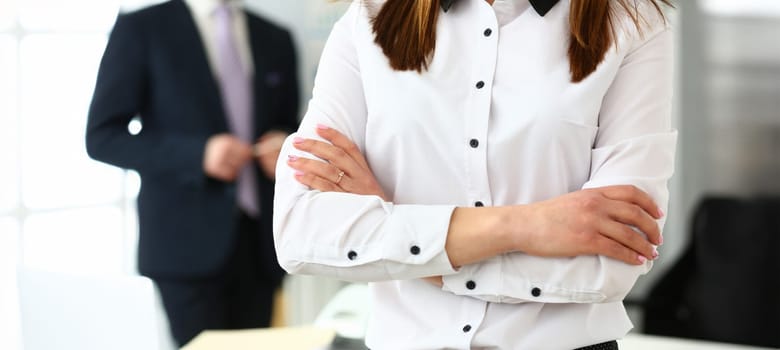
(582, 246)
(587, 222)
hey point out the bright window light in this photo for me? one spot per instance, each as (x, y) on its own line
(135, 126)
(7, 13)
(9, 126)
(72, 15)
(84, 240)
(9, 298)
(751, 8)
(56, 171)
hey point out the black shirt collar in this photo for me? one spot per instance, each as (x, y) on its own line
(541, 6)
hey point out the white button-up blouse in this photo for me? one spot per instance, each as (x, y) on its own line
(495, 120)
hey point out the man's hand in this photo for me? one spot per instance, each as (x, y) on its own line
(224, 157)
(267, 149)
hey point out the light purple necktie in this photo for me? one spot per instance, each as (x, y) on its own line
(236, 89)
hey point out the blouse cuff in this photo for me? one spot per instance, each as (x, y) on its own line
(415, 239)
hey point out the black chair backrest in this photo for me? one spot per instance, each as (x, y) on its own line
(726, 285)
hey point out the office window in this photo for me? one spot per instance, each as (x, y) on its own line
(72, 15)
(83, 240)
(757, 8)
(9, 243)
(7, 13)
(59, 210)
(9, 177)
(59, 74)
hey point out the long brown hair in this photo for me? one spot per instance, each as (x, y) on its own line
(406, 32)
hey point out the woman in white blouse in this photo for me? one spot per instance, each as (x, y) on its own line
(519, 156)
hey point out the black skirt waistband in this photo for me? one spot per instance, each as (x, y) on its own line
(610, 345)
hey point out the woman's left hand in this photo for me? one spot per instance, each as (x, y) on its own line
(345, 169)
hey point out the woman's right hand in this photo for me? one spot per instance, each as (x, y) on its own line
(343, 169)
(594, 221)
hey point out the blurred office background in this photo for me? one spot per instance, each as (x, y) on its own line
(61, 211)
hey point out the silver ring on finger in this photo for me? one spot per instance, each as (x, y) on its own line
(341, 175)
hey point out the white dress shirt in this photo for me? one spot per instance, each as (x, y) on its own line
(494, 121)
(203, 14)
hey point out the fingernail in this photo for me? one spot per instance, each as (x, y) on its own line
(661, 240)
(655, 254)
(291, 158)
(298, 173)
(641, 259)
(298, 140)
(660, 213)
(322, 127)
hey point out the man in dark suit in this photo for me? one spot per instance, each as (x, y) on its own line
(215, 88)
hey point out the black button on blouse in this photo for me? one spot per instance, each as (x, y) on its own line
(352, 255)
(480, 84)
(466, 328)
(487, 32)
(414, 250)
(536, 292)
(479, 204)
(474, 143)
(471, 285)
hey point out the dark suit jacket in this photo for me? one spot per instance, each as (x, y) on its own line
(155, 67)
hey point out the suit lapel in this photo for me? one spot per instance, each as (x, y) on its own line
(193, 55)
(258, 79)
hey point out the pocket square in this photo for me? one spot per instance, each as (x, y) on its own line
(273, 79)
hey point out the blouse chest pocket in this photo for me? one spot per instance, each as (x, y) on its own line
(575, 103)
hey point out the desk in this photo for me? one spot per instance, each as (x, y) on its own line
(297, 338)
(310, 338)
(648, 342)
